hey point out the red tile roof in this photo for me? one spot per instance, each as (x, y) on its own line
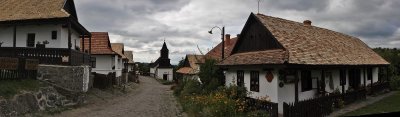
(100, 43)
(216, 52)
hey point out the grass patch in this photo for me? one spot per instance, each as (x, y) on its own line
(9, 88)
(386, 105)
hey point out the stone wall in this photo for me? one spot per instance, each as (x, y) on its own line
(74, 78)
(28, 102)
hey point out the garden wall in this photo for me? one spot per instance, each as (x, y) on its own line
(74, 78)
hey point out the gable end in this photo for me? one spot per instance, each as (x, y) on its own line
(255, 37)
(69, 6)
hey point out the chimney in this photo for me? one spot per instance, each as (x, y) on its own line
(227, 39)
(307, 22)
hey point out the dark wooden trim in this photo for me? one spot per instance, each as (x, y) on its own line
(15, 36)
(69, 35)
(365, 80)
(90, 45)
(296, 87)
(323, 85)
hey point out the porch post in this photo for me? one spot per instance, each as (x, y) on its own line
(365, 80)
(296, 87)
(387, 74)
(323, 81)
(83, 42)
(343, 80)
(15, 36)
(90, 44)
(69, 35)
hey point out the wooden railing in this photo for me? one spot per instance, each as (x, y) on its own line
(321, 106)
(51, 56)
(270, 107)
(17, 68)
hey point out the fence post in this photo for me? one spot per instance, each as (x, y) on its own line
(21, 74)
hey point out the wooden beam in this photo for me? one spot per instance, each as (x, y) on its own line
(15, 36)
(365, 80)
(296, 87)
(323, 81)
(83, 42)
(69, 35)
(90, 45)
(344, 80)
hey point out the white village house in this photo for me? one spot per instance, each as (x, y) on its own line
(287, 61)
(102, 51)
(121, 59)
(49, 25)
(130, 64)
(162, 68)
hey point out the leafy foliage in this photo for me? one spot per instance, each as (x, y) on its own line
(210, 75)
(393, 57)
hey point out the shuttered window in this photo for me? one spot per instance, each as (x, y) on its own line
(240, 78)
(254, 81)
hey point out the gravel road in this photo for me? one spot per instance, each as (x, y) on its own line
(149, 99)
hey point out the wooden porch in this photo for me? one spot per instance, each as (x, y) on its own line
(50, 56)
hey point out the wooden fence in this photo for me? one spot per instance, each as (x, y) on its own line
(270, 107)
(17, 68)
(51, 56)
(103, 81)
(321, 106)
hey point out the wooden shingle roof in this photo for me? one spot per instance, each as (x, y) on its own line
(193, 64)
(119, 48)
(32, 9)
(309, 45)
(129, 55)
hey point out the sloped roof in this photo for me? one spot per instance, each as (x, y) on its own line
(100, 43)
(118, 48)
(275, 56)
(129, 55)
(31, 9)
(193, 61)
(311, 45)
(216, 52)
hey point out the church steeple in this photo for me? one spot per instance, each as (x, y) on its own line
(164, 51)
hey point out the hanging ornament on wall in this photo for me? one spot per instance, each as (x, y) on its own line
(269, 76)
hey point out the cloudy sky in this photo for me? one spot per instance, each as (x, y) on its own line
(142, 25)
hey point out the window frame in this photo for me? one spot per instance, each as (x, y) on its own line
(306, 80)
(240, 78)
(343, 75)
(54, 35)
(28, 43)
(255, 81)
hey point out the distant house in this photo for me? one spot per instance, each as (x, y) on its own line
(162, 68)
(216, 52)
(191, 66)
(51, 25)
(288, 61)
(119, 66)
(130, 63)
(102, 51)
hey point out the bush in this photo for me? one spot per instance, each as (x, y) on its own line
(190, 87)
(395, 83)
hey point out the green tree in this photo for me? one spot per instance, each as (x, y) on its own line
(211, 76)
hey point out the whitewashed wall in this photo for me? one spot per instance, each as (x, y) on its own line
(287, 92)
(42, 33)
(269, 89)
(162, 71)
(103, 64)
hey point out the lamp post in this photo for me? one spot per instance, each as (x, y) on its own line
(222, 37)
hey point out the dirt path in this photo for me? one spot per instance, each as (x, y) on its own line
(150, 99)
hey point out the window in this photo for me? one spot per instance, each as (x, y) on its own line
(254, 81)
(354, 78)
(369, 73)
(54, 35)
(30, 41)
(240, 78)
(306, 80)
(342, 77)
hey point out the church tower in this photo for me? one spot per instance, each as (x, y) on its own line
(164, 58)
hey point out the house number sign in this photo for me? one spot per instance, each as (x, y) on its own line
(269, 76)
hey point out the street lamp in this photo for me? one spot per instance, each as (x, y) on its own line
(222, 37)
